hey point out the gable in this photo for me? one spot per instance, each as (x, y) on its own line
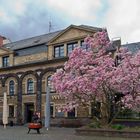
(4, 51)
(70, 34)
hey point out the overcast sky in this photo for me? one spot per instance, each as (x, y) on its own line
(21, 19)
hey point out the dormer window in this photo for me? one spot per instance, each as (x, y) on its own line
(71, 47)
(59, 51)
(84, 46)
(5, 61)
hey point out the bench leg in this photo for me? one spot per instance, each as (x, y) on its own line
(29, 130)
(38, 131)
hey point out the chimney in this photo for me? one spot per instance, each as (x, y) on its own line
(3, 40)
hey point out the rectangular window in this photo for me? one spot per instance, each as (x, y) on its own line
(11, 111)
(84, 45)
(59, 111)
(71, 114)
(71, 47)
(51, 109)
(59, 51)
(5, 61)
(128, 114)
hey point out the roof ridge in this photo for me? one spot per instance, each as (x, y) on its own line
(88, 26)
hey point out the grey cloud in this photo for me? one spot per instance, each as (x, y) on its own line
(33, 22)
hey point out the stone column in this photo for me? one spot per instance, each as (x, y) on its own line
(19, 103)
(38, 95)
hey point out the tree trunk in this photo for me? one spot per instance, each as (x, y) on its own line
(104, 115)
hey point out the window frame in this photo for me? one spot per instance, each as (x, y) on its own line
(11, 92)
(5, 61)
(30, 81)
(59, 112)
(73, 45)
(59, 51)
(84, 45)
(72, 114)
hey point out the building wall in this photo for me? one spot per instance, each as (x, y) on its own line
(30, 58)
(37, 66)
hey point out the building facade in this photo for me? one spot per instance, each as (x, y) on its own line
(26, 67)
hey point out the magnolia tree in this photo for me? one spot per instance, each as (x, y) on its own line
(90, 76)
(126, 79)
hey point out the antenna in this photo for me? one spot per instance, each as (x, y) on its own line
(50, 26)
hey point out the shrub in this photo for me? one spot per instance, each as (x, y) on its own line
(94, 125)
(118, 126)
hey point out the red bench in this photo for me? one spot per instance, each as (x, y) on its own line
(35, 126)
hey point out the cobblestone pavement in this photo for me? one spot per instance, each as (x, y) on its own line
(20, 133)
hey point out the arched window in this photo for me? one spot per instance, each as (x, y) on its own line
(49, 84)
(11, 87)
(30, 86)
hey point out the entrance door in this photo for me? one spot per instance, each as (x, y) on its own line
(29, 111)
(71, 114)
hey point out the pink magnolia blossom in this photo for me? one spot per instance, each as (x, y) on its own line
(126, 80)
(91, 76)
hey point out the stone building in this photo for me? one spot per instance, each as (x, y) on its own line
(26, 67)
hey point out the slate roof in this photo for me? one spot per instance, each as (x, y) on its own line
(133, 47)
(34, 41)
(42, 39)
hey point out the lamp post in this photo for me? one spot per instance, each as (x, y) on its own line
(47, 114)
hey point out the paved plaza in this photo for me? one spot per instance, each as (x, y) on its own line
(55, 133)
